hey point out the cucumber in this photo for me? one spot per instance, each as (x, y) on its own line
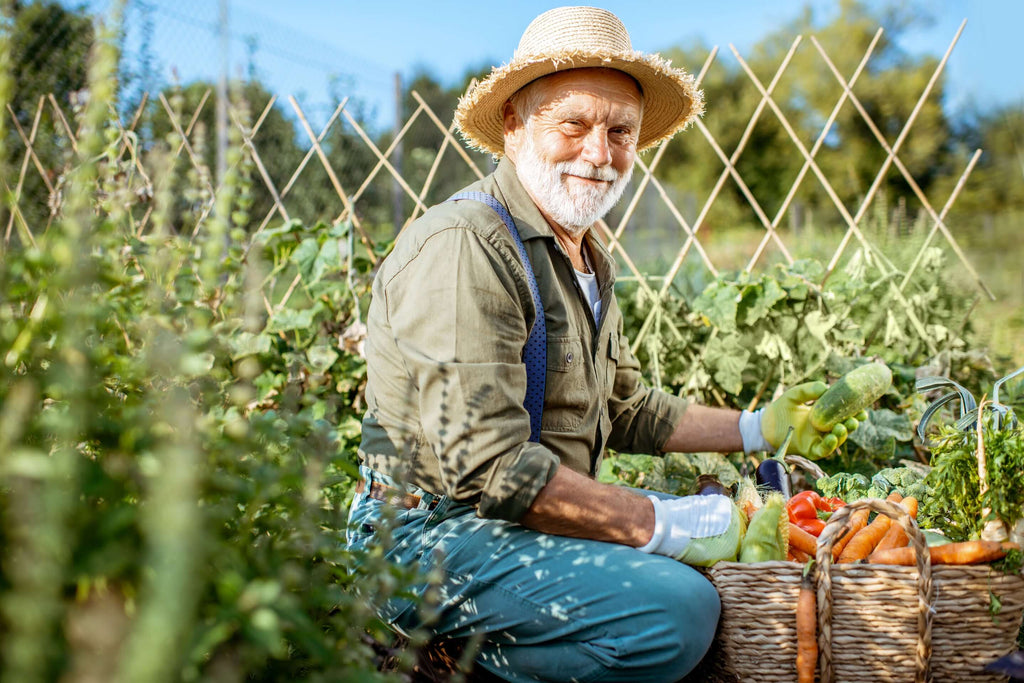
(852, 393)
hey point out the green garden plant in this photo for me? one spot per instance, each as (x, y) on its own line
(180, 409)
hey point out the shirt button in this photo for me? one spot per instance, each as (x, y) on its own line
(568, 357)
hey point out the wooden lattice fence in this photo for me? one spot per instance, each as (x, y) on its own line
(351, 199)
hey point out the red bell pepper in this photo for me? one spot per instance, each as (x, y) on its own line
(812, 526)
(803, 510)
(802, 506)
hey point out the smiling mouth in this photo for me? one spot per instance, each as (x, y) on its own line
(585, 179)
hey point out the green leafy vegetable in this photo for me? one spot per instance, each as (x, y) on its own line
(956, 503)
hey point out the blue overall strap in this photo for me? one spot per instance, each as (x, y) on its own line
(535, 353)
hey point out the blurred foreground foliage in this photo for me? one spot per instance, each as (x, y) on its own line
(182, 390)
(176, 451)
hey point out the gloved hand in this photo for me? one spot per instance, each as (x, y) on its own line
(697, 530)
(793, 409)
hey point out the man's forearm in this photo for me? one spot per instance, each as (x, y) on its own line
(706, 430)
(572, 504)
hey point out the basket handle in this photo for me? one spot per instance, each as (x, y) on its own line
(925, 589)
(806, 465)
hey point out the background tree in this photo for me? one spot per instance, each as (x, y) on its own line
(423, 140)
(281, 144)
(806, 93)
(49, 48)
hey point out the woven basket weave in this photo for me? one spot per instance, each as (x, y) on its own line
(875, 622)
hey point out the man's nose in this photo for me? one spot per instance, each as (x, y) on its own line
(596, 149)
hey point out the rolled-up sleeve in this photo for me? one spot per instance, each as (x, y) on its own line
(460, 319)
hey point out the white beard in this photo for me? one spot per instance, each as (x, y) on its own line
(575, 208)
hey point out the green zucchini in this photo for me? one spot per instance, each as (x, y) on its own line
(852, 393)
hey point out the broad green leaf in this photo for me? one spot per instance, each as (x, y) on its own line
(337, 230)
(819, 324)
(787, 326)
(328, 259)
(268, 382)
(759, 299)
(248, 344)
(288, 227)
(719, 302)
(716, 464)
(879, 433)
(727, 361)
(291, 319)
(774, 347)
(304, 257)
(893, 332)
(321, 357)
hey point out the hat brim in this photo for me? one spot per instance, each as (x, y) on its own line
(670, 96)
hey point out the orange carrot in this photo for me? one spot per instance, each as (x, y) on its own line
(802, 540)
(797, 555)
(896, 537)
(857, 521)
(806, 631)
(865, 540)
(964, 552)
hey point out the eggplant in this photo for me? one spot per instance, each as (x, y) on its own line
(774, 475)
(709, 485)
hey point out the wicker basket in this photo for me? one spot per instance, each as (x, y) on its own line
(875, 622)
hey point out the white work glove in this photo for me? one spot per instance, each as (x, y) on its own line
(697, 530)
(750, 430)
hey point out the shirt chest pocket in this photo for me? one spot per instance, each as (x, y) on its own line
(611, 365)
(568, 395)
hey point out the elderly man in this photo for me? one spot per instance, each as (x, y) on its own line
(498, 372)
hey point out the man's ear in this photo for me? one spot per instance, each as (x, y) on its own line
(512, 128)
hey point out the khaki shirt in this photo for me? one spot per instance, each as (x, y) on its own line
(449, 316)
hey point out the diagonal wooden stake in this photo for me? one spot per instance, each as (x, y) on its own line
(852, 226)
(428, 181)
(894, 150)
(938, 221)
(383, 159)
(765, 100)
(456, 145)
(942, 215)
(356, 223)
(387, 153)
(247, 141)
(817, 146)
(30, 153)
(648, 170)
(692, 238)
(300, 168)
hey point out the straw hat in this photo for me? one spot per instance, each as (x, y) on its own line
(574, 38)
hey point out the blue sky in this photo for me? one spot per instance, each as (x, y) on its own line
(300, 47)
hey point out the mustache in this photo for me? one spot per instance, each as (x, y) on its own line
(585, 170)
